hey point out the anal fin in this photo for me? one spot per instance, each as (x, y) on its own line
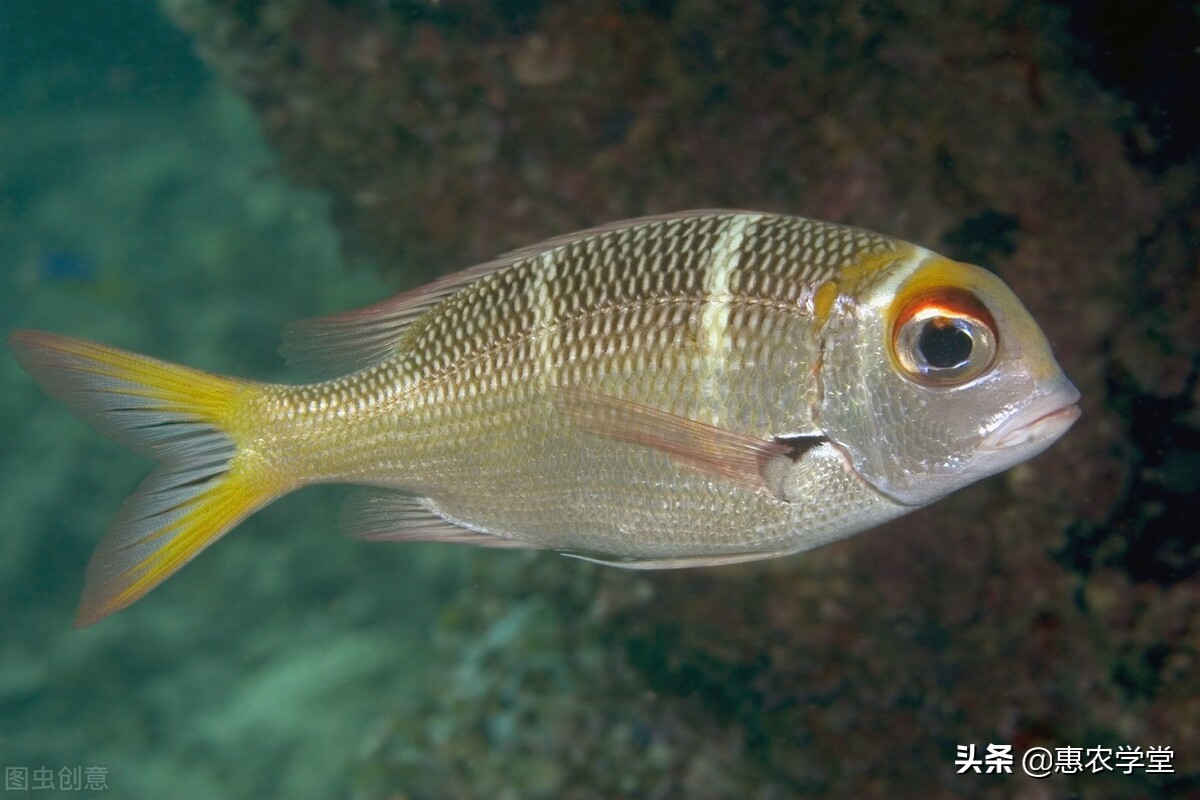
(382, 516)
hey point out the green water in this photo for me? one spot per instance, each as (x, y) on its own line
(139, 207)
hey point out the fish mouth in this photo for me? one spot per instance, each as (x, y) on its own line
(1044, 421)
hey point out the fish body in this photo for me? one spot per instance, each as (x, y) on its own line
(694, 389)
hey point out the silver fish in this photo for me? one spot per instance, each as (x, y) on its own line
(702, 388)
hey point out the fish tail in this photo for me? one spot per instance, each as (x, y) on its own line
(185, 419)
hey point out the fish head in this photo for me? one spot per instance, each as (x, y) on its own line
(934, 375)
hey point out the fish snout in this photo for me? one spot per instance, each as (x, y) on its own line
(1042, 421)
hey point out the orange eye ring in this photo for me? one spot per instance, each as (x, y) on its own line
(944, 337)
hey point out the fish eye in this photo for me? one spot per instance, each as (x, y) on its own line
(944, 338)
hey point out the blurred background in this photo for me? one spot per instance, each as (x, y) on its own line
(184, 178)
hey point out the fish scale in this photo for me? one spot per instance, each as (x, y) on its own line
(693, 389)
(664, 326)
(596, 282)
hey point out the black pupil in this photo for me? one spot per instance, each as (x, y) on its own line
(943, 344)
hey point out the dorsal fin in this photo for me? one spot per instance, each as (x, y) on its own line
(353, 340)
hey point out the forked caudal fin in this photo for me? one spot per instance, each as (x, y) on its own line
(183, 418)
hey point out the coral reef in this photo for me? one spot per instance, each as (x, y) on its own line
(1054, 606)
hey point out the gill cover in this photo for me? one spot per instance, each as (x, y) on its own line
(934, 376)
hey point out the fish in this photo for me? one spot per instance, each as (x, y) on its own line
(701, 388)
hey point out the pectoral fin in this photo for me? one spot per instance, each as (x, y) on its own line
(735, 457)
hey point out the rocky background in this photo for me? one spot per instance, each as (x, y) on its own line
(1056, 605)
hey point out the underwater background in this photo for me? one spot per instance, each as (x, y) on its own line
(184, 178)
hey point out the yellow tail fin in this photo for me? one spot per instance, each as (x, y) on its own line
(182, 418)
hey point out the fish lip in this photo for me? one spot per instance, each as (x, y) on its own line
(1044, 421)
